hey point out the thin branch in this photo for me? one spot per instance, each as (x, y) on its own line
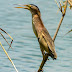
(57, 4)
(60, 21)
(70, 2)
(9, 36)
(60, 8)
(68, 32)
(5, 39)
(9, 57)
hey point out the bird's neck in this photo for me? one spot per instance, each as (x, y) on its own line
(37, 24)
(36, 19)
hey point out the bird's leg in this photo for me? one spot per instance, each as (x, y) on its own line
(43, 54)
(5, 39)
(43, 62)
(45, 58)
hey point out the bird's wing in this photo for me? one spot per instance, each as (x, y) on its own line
(45, 40)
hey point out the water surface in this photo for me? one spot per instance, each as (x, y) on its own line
(26, 53)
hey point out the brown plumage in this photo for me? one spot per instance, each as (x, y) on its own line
(44, 38)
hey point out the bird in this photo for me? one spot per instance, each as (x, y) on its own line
(45, 41)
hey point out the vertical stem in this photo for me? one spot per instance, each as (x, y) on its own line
(9, 57)
(63, 14)
(58, 28)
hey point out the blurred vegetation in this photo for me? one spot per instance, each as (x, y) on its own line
(69, 4)
(62, 4)
(70, 7)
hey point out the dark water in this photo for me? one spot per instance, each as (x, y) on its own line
(26, 53)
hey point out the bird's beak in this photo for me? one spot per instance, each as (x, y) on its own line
(26, 6)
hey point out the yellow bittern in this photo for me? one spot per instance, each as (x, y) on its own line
(43, 36)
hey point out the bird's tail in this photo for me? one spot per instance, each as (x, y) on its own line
(53, 55)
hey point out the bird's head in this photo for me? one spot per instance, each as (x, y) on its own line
(31, 7)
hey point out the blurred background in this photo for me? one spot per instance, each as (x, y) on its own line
(26, 53)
